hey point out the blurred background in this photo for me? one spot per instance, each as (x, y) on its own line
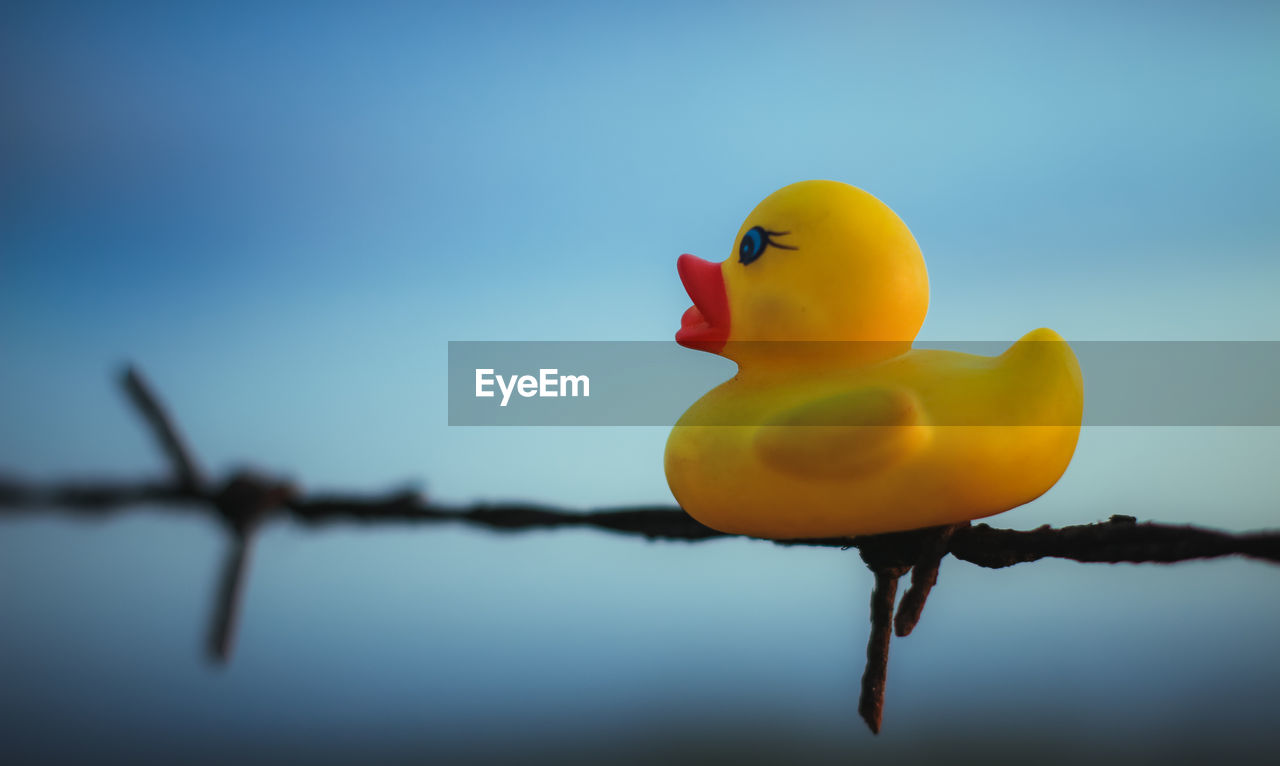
(284, 212)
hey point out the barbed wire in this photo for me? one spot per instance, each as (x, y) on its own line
(245, 499)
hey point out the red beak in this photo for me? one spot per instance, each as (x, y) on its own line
(705, 326)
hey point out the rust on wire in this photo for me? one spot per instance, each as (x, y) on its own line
(245, 500)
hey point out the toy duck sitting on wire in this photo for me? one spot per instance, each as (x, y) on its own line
(834, 426)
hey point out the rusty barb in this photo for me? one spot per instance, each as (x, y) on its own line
(242, 502)
(247, 499)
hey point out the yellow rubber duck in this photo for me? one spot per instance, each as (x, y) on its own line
(834, 425)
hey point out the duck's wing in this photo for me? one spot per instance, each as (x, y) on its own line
(844, 435)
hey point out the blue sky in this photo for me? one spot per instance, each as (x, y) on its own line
(285, 214)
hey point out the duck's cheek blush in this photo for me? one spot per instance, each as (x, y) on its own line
(775, 316)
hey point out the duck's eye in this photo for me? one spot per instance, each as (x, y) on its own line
(754, 243)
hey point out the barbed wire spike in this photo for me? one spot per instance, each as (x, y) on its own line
(874, 676)
(241, 503)
(186, 471)
(924, 575)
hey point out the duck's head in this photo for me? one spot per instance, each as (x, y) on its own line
(815, 261)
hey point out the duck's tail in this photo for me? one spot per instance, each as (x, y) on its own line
(1043, 363)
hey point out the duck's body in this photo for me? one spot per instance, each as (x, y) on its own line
(925, 438)
(856, 433)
